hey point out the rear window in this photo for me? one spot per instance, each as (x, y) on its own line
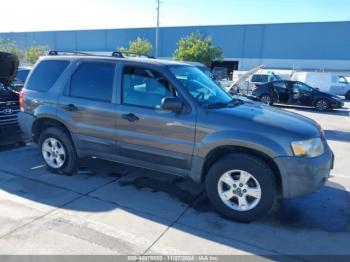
(46, 74)
(260, 78)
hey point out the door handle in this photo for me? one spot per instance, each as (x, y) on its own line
(71, 107)
(130, 117)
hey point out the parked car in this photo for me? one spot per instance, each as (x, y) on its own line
(21, 76)
(263, 78)
(296, 93)
(327, 82)
(171, 117)
(9, 103)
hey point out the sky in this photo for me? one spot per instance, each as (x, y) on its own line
(46, 15)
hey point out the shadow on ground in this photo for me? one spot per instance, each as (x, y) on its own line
(335, 112)
(164, 199)
(338, 135)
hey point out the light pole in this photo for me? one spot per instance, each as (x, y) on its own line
(157, 28)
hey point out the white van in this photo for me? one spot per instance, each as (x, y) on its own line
(326, 82)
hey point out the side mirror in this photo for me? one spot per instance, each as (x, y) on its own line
(172, 104)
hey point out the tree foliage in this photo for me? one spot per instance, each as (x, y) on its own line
(196, 48)
(138, 47)
(9, 46)
(32, 54)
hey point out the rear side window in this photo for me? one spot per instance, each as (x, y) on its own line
(281, 85)
(94, 81)
(46, 74)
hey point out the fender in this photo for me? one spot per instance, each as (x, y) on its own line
(227, 138)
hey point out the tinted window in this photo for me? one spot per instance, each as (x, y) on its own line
(46, 74)
(93, 80)
(260, 78)
(302, 87)
(144, 87)
(22, 75)
(280, 85)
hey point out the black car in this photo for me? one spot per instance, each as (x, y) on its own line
(21, 76)
(9, 100)
(296, 93)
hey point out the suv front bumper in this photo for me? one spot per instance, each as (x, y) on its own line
(302, 175)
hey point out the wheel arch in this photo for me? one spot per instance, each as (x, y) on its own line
(45, 122)
(221, 151)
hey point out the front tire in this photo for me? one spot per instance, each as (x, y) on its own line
(322, 105)
(241, 187)
(266, 99)
(57, 151)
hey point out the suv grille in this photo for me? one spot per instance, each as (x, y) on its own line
(8, 112)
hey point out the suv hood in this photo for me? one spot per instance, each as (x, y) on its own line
(270, 117)
(8, 68)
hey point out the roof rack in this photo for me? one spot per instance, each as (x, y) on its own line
(54, 52)
(117, 54)
(122, 54)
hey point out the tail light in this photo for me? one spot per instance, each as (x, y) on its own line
(21, 100)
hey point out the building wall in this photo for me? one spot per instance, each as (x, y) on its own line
(312, 45)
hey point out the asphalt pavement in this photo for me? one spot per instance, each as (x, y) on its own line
(108, 208)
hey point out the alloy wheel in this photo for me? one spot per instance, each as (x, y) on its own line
(53, 152)
(239, 190)
(266, 99)
(322, 105)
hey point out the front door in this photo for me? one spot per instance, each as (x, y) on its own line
(304, 94)
(87, 101)
(147, 135)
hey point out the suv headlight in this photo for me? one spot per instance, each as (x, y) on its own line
(309, 148)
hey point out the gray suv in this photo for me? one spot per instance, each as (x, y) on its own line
(171, 117)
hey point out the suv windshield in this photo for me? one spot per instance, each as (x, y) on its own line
(201, 86)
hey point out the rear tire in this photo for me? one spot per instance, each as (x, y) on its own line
(58, 151)
(322, 105)
(266, 99)
(255, 197)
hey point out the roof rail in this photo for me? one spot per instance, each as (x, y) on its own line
(54, 52)
(117, 54)
(122, 54)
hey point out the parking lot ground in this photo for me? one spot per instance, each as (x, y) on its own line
(109, 208)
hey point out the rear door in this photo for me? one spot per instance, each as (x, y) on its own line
(87, 104)
(147, 135)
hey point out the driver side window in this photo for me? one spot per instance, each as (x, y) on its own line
(145, 88)
(302, 88)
